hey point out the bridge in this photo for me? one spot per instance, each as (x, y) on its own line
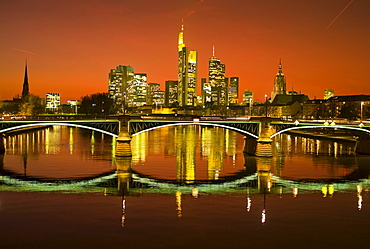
(109, 127)
(259, 133)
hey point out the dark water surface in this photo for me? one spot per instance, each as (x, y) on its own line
(183, 188)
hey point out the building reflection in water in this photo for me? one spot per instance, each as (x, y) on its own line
(190, 146)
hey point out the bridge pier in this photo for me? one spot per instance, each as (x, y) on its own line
(261, 147)
(2, 143)
(124, 139)
(363, 146)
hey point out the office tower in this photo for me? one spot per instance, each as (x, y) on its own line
(206, 92)
(328, 93)
(52, 102)
(279, 83)
(119, 79)
(234, 90)
(136, 90)
(26, 88)
(187, 72)
(171, 93)
(154, 94)
(216, 77)
(247, 97)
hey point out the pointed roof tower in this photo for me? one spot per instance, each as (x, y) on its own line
(26, 89)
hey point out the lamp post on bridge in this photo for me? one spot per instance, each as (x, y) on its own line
(266, 103)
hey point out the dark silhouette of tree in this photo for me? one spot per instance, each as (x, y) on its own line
(97, 104)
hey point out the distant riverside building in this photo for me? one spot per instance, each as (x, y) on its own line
(187, 73)
(234, 90)
(216, 78)
(52, 102)
(328, 93)
(247, 97)
(154, 94)
(279, 83)
(171, 98)
(120, 79)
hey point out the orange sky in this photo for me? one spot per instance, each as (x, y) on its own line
(72, 45)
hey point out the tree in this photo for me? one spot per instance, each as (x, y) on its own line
(31, 105)
(98, 104)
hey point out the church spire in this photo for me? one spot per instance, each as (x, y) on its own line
(280, 67)
(26, 89)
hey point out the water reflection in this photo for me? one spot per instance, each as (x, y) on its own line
(190, 161)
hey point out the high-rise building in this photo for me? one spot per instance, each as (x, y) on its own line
(328, 93)
(187, 73)
(279, 83)
(171, 98)
(216, 77)
(234, 90)
(52, 102)
(136, 90)
(206, 92)
(26, 88)
(154, 94)
(119, 80)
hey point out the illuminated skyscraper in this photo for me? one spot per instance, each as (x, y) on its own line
(328, 93)
(187, 72)
(234, 90)
(279, 83)
(119, 80)
(136, 90)
(216, 77)
(26, 88)
(171, 93)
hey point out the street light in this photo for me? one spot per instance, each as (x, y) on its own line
(362, 109)
(266, 104)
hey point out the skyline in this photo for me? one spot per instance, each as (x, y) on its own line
(71, 47)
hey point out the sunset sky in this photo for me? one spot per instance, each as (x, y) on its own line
(72, 45)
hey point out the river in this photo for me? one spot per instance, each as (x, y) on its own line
(183, 187)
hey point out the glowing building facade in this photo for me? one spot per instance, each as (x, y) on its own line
(137, 90)
(171, 98)
(279, 83)
(234, 90)
(52, 102)
(328, 93)
(187, 73)
(216, 77)
(154, 94)
(206, 92)
(120, 79)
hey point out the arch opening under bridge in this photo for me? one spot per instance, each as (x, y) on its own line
(241, 131)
